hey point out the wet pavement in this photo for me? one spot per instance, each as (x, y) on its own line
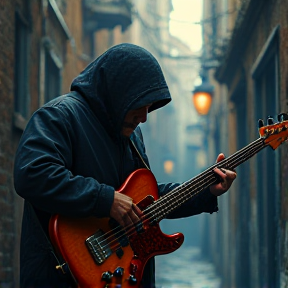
(185, 268)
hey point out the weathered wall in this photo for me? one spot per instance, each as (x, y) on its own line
(70, 50)
(245, 48)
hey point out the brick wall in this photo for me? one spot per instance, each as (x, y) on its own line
(9, 233)
(11, 205)
(36, 17)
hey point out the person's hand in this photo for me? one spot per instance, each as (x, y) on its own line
(227, 176)
(124, 211)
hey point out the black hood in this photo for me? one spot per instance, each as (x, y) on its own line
(125, 77)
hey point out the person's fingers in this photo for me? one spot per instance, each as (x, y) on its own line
(124, 211)
(231, 174)
(220, 157)
(227, 178)
(129, 219)
(221, 172)
(137, 210)
(132, 217)
(132, 214)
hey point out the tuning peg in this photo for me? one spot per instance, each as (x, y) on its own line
(282, 117)
(270, 120)
(260, 123)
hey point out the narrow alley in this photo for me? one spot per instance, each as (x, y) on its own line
(185, 268)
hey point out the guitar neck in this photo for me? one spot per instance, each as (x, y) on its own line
(178, 196)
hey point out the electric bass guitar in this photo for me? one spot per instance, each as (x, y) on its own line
(100, 253)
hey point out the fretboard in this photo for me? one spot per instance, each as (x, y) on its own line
(184, 192)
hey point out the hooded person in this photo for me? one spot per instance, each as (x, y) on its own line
(73, 155)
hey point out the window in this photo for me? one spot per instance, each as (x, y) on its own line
(21, 80)
(52, 75)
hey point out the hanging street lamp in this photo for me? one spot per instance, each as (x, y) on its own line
(202, 96)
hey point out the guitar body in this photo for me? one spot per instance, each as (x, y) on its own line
(121, 263)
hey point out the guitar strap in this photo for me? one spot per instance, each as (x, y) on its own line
(62, 265)
(138, 153)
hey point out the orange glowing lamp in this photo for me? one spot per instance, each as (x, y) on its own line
(202, 97)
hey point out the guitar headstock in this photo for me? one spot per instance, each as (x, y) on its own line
(274, 134)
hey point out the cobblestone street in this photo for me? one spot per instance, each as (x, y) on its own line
(185, 268)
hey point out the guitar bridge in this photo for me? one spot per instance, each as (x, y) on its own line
(98, 247)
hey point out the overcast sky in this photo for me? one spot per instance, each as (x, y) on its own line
(182, 24)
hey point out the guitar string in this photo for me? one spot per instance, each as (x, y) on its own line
(187, 185)
(195, 183)
(236, 155)
(229, 162)
(193, 194)
(132, 231)
(131, 228)
(185, 197)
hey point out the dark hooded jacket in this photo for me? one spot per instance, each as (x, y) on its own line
(72, 156)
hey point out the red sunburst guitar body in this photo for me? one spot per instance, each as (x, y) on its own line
(126, 261)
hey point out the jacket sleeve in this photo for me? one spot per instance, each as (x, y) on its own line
(202, 202)
(42, 172)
